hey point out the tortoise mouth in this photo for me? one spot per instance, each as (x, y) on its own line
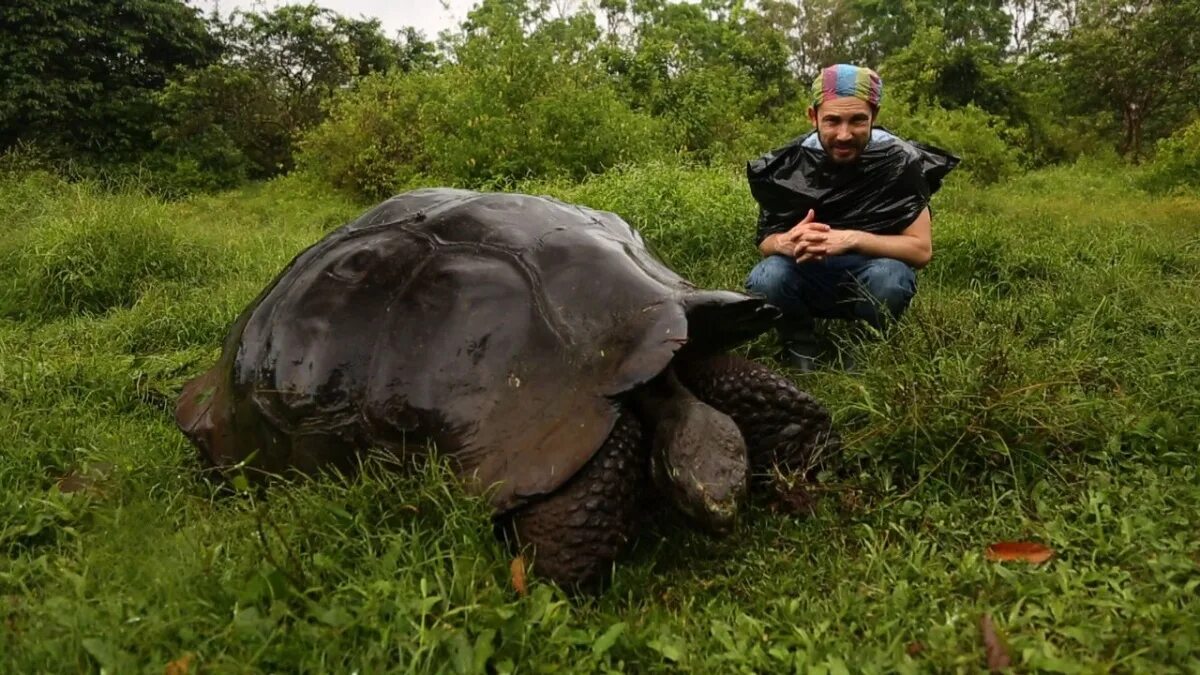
(715, 514)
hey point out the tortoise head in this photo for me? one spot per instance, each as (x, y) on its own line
(698, 459)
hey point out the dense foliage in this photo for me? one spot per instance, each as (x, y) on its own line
(79, 78)
(240, 118)
(1177, 161)
(526, 88)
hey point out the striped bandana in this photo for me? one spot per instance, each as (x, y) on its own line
(846, 80)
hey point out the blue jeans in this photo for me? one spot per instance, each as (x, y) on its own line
(851, 286)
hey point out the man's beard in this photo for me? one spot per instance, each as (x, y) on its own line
(856, 150)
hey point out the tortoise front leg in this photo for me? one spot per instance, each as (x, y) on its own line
(786, 430)
(577, 532)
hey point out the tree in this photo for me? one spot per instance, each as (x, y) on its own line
(932, 70)
(712, 69)
(884, 27)
(818, 32)
(78, 77)
(414, 52)
(304, 53)
(219, 126)
(1137, 60)
(1032, 24)
(242, 117)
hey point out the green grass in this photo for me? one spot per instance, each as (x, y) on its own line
(1045, 385)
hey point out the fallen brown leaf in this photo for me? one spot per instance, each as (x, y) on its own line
(518, 575)
(793, 500)
(73, 482)
(993, 646)
(850, 502)
(181, 665)
(89, 479)
(1025, 551)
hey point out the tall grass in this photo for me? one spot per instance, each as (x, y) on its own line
(1045, 385)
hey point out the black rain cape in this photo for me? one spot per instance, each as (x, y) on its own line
(882, 193)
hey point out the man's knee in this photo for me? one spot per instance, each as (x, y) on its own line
(772, 277)
(890, 283)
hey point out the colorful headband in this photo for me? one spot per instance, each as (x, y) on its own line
(846, 80)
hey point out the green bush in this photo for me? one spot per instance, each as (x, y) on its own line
(374, 138)
(970, 133)
(699, 220)
(475, 126)
(219, 126)
(569, 124)
(1176, 161)
(210, 162)
(713, 113)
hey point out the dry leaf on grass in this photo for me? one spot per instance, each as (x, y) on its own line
(87, 479)
(794, 500)
(993, 646)
(1025, 551)
(181, 665)
(518, 575)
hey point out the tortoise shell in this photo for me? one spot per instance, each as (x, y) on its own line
(504, 328)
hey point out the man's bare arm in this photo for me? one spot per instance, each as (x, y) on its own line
(913, 245)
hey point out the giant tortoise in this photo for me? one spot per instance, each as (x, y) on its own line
(563, 369)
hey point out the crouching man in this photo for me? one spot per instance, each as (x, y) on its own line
(844, 217)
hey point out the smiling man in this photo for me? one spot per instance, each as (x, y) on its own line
(844, 221)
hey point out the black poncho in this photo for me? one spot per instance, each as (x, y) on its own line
(882, 193)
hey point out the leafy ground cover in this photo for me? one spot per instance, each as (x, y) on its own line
(1045, 386)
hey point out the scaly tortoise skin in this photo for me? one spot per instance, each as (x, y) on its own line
(564, 370)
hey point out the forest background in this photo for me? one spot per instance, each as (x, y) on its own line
(525, 88)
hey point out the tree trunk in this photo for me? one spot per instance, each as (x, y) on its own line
(1132, 123)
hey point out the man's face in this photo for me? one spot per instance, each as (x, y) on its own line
(843, 127)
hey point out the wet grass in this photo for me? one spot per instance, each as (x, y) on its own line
(1045, 386)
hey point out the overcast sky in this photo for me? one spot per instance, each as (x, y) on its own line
(430, 16)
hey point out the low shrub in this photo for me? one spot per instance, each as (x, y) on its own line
(374, 138)
(970, 133)
(1176, 161)
(92, 254)
(470, 127)
(699, 220)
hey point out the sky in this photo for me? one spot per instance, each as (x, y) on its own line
(430, 16)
